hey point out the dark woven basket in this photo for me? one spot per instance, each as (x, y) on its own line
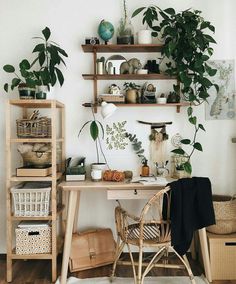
(34, 128)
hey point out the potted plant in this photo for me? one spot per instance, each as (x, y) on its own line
(125, 31)
(132, 90)
(96, 133)
(187, 43)
(49, 58)
(25, 80)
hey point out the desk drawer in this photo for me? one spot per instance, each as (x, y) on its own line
(130, 193)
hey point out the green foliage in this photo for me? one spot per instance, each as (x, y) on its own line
(187, 45)
(49, 58)
(137, 147)
(96, 131)
(131, 86)
(24, 76)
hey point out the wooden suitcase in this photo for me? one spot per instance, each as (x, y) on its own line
(91, 249)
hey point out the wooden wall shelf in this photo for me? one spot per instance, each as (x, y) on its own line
(113, 48)
(128, 77)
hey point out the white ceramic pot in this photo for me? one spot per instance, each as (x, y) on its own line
(145, 37)
(161, 100)
(142, 71)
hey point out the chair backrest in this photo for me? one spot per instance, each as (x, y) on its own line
(153, 223)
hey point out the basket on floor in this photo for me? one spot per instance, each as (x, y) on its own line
(225, 214)
(31, 201)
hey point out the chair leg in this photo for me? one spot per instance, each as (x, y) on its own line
(140, 260)
(132, 262)
(118, 253)
(187, 265)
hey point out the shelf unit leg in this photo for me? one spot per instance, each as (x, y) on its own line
(9, 269)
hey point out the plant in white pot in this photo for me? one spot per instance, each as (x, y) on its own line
(49, 58)
(149, 16)
(96, 131)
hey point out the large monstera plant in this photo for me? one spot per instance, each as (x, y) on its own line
(187, 45)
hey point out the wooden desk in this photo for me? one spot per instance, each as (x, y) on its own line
(114, 191)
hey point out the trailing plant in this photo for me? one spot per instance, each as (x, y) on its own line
(131, 86)
(116, 136)
(187, 46)
(137, 147)
(49, 58)
(95, 128)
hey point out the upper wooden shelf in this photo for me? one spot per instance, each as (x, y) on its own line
(122, 48)
(37, 103)
(129, 77)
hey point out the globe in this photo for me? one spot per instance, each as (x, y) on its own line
(105, 30)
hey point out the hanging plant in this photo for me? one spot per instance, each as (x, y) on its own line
(187, 46)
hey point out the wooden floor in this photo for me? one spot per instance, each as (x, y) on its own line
(38, 272)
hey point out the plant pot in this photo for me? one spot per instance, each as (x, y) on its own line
(41, 93)
(125, 32)
(26, 93)
(145, 37)
(131, 96)
(161, 100)
(97, 170)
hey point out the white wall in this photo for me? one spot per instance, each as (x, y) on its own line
(70, 22)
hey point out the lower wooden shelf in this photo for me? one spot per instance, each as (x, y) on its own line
(60, 208)
(48, 178)
(31, 256)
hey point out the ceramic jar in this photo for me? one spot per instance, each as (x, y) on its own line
(131, 96)
(145, 37)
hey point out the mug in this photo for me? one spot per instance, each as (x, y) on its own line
(96, 174)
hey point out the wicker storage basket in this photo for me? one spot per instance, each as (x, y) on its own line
(34, 128)
(33, 240)
(31, 201)
(225, 214)
(40, 159)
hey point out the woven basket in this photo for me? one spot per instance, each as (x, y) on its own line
(34, 128)
(38, 159)
(225, 214)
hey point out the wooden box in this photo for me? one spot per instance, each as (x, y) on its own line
(222, 249)
(33, 172)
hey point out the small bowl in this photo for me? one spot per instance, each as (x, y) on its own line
(161, 100)
(142, 71)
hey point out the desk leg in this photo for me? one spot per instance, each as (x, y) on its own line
(68, 235)
(76, 217)
(205, 253)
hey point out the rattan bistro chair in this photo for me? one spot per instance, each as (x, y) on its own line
(149, 230)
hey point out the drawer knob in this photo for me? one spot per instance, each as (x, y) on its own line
(135, 192)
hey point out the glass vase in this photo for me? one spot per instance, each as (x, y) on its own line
(125, 32)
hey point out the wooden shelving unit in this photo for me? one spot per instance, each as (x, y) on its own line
(135, 48)
(56, 109)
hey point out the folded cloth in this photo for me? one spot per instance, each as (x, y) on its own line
(191, 209)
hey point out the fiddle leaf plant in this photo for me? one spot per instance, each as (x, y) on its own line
(96, 131)
(187, 45)
(49, 57)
